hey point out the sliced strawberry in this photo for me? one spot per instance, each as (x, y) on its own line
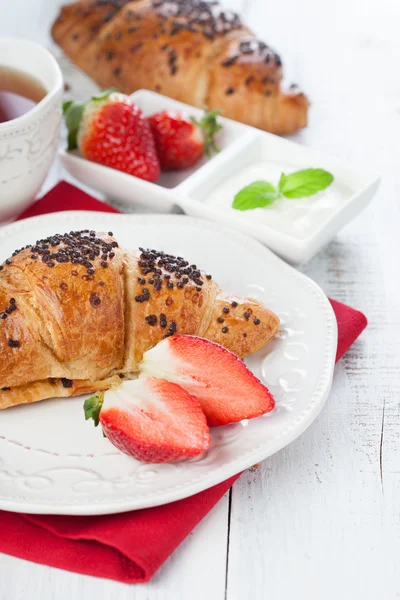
(152, 420)
(226, 389)
(182, 141)
(111, 130)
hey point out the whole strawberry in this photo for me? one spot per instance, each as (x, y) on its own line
(182, 141)
(111, 130)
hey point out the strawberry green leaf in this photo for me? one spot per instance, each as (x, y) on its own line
(72, 114)
(66, 105)
(72, 141)
(210, 126)
(255, 195)
(104, 93)
(92, 407)
(304, 183)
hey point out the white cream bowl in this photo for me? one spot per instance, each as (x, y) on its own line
(28, 144)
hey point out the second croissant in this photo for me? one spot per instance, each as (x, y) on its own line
(193, 51)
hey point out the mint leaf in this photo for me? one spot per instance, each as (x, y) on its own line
(92, 407)
(255, 195)
(304, 183)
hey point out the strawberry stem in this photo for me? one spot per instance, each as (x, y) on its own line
(92, 407)
(210, 126)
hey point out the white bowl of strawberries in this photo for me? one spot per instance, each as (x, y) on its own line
(122, 149)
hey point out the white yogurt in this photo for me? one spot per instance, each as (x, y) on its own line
(299, 217)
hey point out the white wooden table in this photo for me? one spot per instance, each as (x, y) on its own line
(321, 519)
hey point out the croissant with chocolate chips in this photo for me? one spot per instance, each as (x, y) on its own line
(190, 50)
(77, 313)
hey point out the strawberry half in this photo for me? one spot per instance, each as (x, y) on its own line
(227, 391)
(111, 130)
(152, 420)
(182, 141)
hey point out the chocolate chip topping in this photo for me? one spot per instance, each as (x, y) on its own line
(94, 300)
(230, 61)
(247, 46)
(206, 18)
(171, 329)
(13, 343)
(12, 307)
(151, 319)
(76, 247)
(156, 263)
(66, 383)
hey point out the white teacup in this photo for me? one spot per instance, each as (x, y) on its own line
(28, 144)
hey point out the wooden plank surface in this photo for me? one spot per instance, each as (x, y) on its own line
(321, 519)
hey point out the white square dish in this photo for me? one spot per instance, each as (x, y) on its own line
(240, 146)
(131, 191)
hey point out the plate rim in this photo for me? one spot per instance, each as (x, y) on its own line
(247, 459)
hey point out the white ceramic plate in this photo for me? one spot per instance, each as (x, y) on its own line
(240, 146)
(53, 461)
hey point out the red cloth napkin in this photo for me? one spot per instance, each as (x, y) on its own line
(131, 546)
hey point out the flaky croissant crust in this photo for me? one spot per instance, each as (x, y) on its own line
(77, 313)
